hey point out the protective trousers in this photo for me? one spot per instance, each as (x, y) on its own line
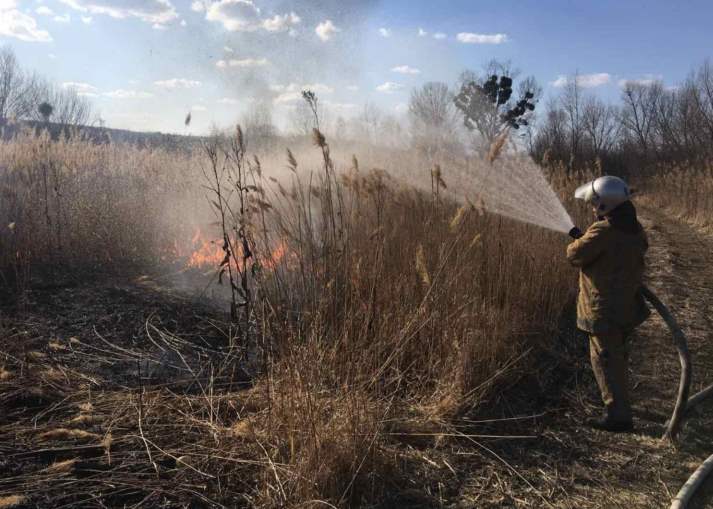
(610, 361)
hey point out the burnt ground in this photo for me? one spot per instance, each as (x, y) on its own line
(114, 337)
(569, 465)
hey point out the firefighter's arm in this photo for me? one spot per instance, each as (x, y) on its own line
(589, 246)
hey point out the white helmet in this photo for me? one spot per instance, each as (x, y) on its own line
(605, 193)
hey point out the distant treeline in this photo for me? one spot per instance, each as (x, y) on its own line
(652, 124)
(100, 135)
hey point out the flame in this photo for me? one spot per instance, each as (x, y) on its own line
(277, 255)
(209, 254)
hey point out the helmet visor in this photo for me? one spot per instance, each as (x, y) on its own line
(585, 192)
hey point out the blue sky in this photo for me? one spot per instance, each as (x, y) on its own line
(146, 63)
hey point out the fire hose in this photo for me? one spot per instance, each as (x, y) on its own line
(683, 402)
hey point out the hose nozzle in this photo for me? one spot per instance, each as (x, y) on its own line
(575, 232)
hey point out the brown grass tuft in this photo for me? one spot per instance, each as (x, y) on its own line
(498, 145)
(67, 434)
(12, 501)
(61, 467)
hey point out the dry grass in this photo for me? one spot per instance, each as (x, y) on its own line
(11, 501)
(72, 205)
(685, 190)
(392, 312)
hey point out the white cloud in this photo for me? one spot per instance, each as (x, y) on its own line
(287, 97)
(439, 35)
(19, 25)
(293, 91)
(560, 82)
(197, 6)
(183, 23)
(471, 38)
(245, 16)
(245, 62)
(177, 83)
(64, 18)
(647, 80)
(318, 88)
(228, 49)
(389, 87)
(326, 30)
(128, 94)
(159, 26)
(342, 108)
(281, 23)
(353, 88)
(593, 80)
(198, 107)
(228, 100)
(52, 56)
(156, 12)
(384, 32)
(234, 15)
(422, 32)
(86, 19)
(405, 69)
(583, 80)
(83, 89)
(43, 10)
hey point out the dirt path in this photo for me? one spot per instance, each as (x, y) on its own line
(572, 466)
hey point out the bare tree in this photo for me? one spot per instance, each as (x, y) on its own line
(69, 107)
(571, 102)
(551, 137)
(257, 124)
(601, 124)
(392, 134)
(369, 121)
(13, 86)
(433, 118)
(638, 113)
(704, 99)
(432, 105)
(21, 93)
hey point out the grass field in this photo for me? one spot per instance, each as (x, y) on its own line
(367, 322)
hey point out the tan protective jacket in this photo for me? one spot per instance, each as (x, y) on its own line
(612, 267)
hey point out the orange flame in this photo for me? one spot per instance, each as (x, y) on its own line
(207, 254)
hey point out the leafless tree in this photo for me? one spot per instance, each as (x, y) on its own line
(392, 134)
(704, 98)
(257, 124)
(14, 84)
(571, 102)
(601, 125)
(638, 113)
(21, 93)
(433, 117)
(369, 121)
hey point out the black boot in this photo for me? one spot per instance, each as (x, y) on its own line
(606, 423)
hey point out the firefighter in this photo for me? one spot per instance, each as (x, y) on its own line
(610, 256)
